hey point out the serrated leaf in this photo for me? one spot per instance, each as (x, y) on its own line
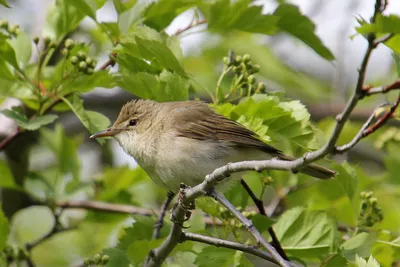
(4, 230)
(360, 244)
(304, 233)
(360, 262)
(383, 24)
(160, 14)
(27, 124)
(92, 120)
(88, 7)
(86, 83)
(223, 257)
(151, 50)
(261, 222)
(240, 15)
(166, 87)
(139, 250)
(4, 3)
(292, 21)
(7, 179)
(141, 229)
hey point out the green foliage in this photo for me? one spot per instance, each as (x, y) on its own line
(25, 123)
(151, 65)
(304, 233)
(4, 3)
(7, 179)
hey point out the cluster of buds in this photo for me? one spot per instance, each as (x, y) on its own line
(244, 70)
(85, 63)
(47, 42)
(12, 30)
(68, 45)
(96, 260)
(370, 213)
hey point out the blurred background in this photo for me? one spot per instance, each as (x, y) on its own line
(287, 65)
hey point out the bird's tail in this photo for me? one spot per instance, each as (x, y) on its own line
(313, 170)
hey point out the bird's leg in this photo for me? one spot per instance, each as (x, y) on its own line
(160, 220)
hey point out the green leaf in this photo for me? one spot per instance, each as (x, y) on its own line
(358, 245)
(93, 121)
(118, 257)
(293, 22)
(122, 6)
(274, 120)
(27, 124)
(261, 222)
(88, 7)
(242, 16)
(165, 87)
(304, 233)
(139, 250)
(64, 149)
(360, 262)
(86, 83)
(223, 257)
(383, 24)
(4, 230)
(147, 44)
(22, 45)
(65, 15)
(7, 53)
(396, 59)
(158, 15)
(334, 260)
(7, 179)
(153, 50)
(4, 3)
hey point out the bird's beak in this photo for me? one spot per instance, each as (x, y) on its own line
(107, 132)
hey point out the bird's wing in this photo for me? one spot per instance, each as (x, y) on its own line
(198, 121)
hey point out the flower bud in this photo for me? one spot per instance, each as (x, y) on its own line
(81, 55)
(238, 59)
(74, 60)
(89, 71)
(82, 65)
(65, 52)
(97, 258)
(46, 41)
(251, 79)
(3, 24)
(256, 68)
(226, 61)
(86, 262)
(53, 44)
(105, 259)
(88, 61)
(260, 86)
(246, 58)
(36, 39)
(69, 43)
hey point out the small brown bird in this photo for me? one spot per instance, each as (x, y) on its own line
(182, 142)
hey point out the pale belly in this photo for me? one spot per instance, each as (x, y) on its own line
(188, 162)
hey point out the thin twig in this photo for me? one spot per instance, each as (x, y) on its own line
(260, 206)
(250, 227)
(229, 244)
(160, 220)
(190, 26)
(382, 89)
(384, 39)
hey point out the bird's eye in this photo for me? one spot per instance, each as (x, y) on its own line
(132, 122)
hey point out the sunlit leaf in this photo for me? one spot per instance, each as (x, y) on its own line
(93, 121)
(292, 21)
(358, 245)
(7, 179)
(306, 233)
(261, 222)
(360, 262)
(383, 24)
(240, 15)
(22, 45)
(29, 124)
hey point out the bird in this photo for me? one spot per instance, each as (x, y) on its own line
(181, 142)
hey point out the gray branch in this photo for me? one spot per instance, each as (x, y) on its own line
(230, 244)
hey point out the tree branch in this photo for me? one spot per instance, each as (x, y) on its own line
(190, 26)
(229, 244)
(250, 227)
(260, 206)
(382, 89)
(160, 220)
